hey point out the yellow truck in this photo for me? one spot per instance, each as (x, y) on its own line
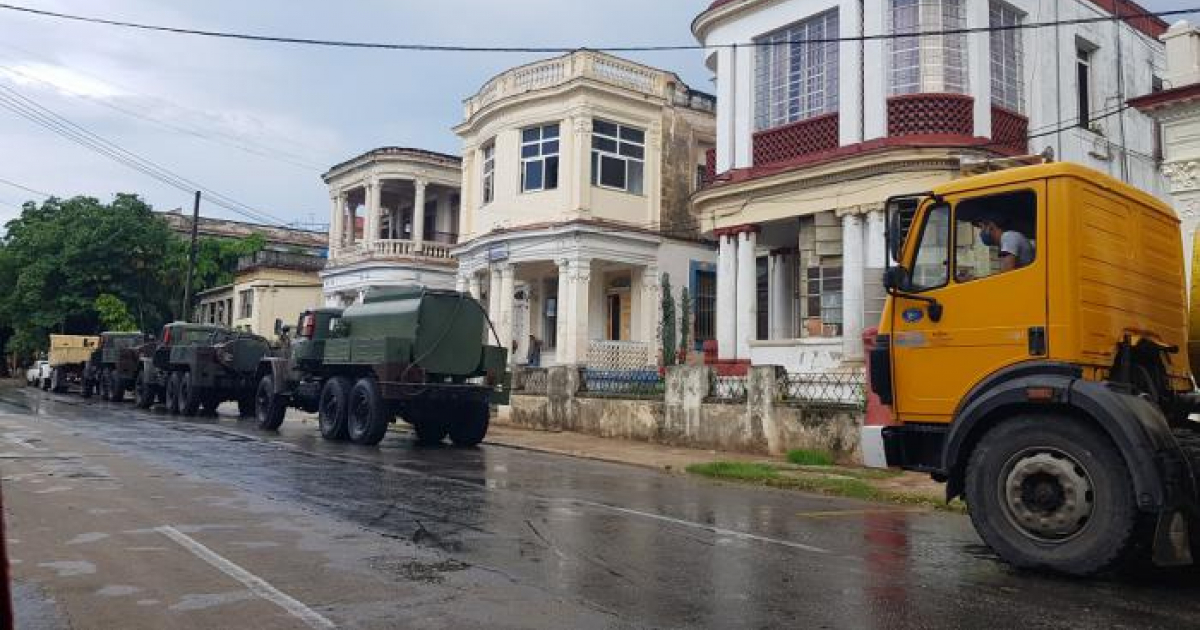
(1033, 355)
(68, 356)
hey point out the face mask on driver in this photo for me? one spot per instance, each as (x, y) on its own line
(986, 237)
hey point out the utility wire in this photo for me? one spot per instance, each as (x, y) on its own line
(279, 39)
(15, 102)
(25, 188)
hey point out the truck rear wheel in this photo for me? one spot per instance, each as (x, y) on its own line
(171, 397)
(102, 385)
(268, 408)
(116, 386)
(1050, 492)
(335, 404)
(470, 423)
(367, 421)
(87, 387)
(56, 381)
(189, 395)
(144, 391)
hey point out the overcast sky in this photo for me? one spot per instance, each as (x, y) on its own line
(210, 109)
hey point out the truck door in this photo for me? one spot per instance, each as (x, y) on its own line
(992, 302)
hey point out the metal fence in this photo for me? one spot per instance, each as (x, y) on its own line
(845, 389)
(533, 381)
(727, 389)
(623, 383)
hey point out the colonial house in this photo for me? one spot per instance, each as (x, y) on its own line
(1176, 107)
(577, 175)
(268, 285)
(829, 107)
(395, 217)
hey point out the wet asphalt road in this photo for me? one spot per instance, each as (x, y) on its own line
(121, 518)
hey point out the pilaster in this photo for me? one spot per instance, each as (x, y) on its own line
(852, 287)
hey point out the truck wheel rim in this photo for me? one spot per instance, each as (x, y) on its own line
(360, 414)
(262, 403)
(1047, 494)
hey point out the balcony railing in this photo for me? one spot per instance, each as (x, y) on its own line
(931, 115)
(589, 65)
(390, 248)
(1010, 130)
(281, 260)
(798, 139)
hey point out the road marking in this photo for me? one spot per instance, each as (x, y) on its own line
(708, 528)
(257, 585)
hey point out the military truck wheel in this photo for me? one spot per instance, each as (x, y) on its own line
(268, 408)
(87, 388)
(189, 395)
(171, 397)
(144, 391)
(1050, 492)
(368, 420)
(335, 405)
(116, 388)
(102, 385)
(56, 381)
(470, 424)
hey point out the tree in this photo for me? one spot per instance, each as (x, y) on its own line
(114, 315)
(668, 322)
(685, 323)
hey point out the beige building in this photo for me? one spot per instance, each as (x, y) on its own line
(395, 216)
(269, 285)
(577, 175)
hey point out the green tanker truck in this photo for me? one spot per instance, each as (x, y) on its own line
(197, 367)
(113, 367)
(412, 353)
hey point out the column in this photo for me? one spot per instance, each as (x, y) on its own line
(875, 78)
(418, 236)
(979, 66)
(581, 281)
(494, 297)
(504, 327)
(565, 334)
(473, 285)
(727, 297)
(651, 308)
(851, 82)
(852, 287)
(460, 282)
(747, 285)
(371, 224)
(726, 133)
(336, 221)
(876, 257)
(581, 200)
(782, 295)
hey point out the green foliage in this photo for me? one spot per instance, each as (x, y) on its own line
(685, 322)
(668, 322)
(114, 315)
(744, 471)
(806, 457)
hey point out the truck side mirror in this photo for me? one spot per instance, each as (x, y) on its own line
(895, 278)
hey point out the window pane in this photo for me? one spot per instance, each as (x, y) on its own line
(531, 134)
(550, 148)
(632, 150)
(612, 172)
(605, 128)
(551, 173)
(530, 150)
(533, 175)
(635, 177)
(550, 131)
(931, 266)
(634, 135)
(604, 144)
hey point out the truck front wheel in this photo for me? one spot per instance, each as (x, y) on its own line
(144, 391)
(103, 385)
(268, 408)
(470, 424)
(335, 403)
(1051, 492)
(189, 395)
(116, 387)
(367, 421)
(171, 398)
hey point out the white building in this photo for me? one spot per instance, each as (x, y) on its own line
(1176, 106)
(577, 173)
(395, 217)
(813, 136)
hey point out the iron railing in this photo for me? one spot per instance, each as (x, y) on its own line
(623, 384)
(727, 389)
(533, 381)
(840, 389)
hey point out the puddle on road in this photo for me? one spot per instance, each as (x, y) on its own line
(417, 571)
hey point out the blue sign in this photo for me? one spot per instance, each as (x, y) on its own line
(914, 315)
(498, 252)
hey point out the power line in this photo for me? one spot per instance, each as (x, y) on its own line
(26, 108)
(280, 39)
(25, 188)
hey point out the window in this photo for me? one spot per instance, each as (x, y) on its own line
(539, 158)
(762, 284)
(1007, 80)
(247, 299)
(1083, 84)
(618, 156)
(550, 331)
(1011, 222)
(928, 63)
(823, 299)
(1156, 85)
(489, 173)
(931, 267)
(797, 77)
(706, 306)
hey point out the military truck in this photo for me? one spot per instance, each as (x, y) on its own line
(414, 353)
(67, 358)
(113, 367)
(196, 367)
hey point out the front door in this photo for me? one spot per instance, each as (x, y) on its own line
(993, 301)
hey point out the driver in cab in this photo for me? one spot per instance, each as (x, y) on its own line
(1016, 250)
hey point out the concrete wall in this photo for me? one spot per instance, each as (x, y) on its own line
(683, 418)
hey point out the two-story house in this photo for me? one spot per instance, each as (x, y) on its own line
(828, 107)
(577, 175)
(394, 218)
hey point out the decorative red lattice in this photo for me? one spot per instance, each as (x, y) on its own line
(710, 166)
(806, 137)
(931, 115)
(1010, 131)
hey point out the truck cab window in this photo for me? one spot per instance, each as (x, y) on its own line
(931, 265)
(995, 234)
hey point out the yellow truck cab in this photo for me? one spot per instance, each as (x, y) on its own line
(1031, 355)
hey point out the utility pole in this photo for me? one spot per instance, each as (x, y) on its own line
(185, 310)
